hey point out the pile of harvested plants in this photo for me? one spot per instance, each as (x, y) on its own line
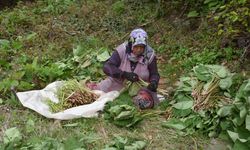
(72, 94)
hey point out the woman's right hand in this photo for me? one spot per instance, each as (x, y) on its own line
(133, 77)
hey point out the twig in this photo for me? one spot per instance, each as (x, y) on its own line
(242, 58)
(70, 95)
(146, 23)
(196, 146)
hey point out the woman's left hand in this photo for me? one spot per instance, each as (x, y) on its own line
(153, 86)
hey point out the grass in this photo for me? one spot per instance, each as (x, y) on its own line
(48, 31)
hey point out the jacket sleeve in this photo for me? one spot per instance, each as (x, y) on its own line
(111, 66)
(153, 71)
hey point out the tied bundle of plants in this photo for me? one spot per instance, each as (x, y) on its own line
(72, 94)
(212, 86)
(198, 98)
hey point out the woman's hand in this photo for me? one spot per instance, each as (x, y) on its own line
(133, 77)
(153, 86)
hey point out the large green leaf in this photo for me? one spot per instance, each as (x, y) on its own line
(174, 123)
(115, 110)
(225, 83)
(184, 88)
(181, 97)
(183, 105)
(238, 145)
(192, 14)
(103, 56)
(248, 122)
(12, 135)
(188, 81)
(181, 112)
(124, 115)
(243, 112)
(202, 72)
(244, 91)
(235, 136)
(238, 121)
(225, 111)
(221, 71)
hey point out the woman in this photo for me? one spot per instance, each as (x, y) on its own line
(132, 60)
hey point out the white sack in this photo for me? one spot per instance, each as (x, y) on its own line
(36, 100)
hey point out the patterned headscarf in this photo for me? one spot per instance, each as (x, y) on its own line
(138, 37)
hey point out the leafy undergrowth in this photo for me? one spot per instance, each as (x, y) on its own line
(47, 40)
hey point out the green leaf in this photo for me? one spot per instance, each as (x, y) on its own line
(243, 112)
(103, 56)
(1, 101)
(31, 36)
(192, 14)
(238, 121)
(30, 126)
(240, 146)
(227, 94)
(133, 89)
(202, 73)
(212, 134)
(225, 83)
(135, 121)
(137, 145)
(235, 136)
(124, 115)
(181, 112)
(174, 123)
(183, 105)
(12, 135)
(115, 110)
(222, 73)
(78, 51)
(224, 111)
(225, 124)
(248, 122)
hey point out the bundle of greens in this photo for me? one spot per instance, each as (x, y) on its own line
(122, 115)
(204, 102)
(134, 87)
(198, 98)
(72, 94)
(125, 143)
